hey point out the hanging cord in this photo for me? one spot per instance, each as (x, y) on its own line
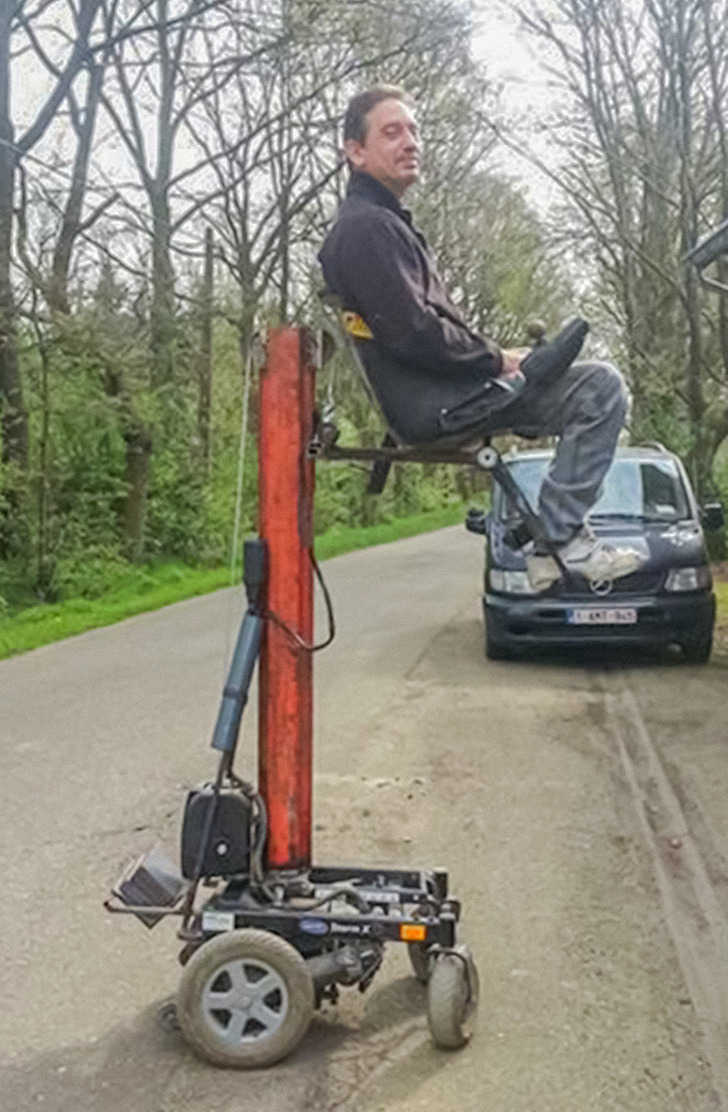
(241, 465)
(235, 543)
(290, 632)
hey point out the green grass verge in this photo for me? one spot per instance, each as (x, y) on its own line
(154, 586)
(720, 638)
(721, 594)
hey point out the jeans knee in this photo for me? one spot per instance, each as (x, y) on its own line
(613, 390)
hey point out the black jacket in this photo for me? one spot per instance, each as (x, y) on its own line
(423, 357)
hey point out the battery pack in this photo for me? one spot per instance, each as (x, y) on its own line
(227, 852)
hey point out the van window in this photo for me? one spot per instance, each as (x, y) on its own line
(650, 490)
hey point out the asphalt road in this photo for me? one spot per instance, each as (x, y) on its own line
(578, 804)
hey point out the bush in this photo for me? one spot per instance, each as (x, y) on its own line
(92, 573)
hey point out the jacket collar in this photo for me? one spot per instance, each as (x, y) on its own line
(364, 185)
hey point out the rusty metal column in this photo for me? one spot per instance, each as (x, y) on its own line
(286, 487)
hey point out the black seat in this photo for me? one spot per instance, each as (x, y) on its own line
(457, 447)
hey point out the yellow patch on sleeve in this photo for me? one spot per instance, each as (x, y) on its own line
(356, 325)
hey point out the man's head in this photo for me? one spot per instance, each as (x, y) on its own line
(381, 137)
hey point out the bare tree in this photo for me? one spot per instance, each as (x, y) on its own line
(17, 21)
(642, 163)
(159, 79)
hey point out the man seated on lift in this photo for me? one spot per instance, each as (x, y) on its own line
(428, 359)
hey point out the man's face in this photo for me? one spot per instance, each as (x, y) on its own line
(391, 149)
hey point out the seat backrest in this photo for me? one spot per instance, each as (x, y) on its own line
(348, 327)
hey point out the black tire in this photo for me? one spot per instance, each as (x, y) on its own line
(697, 652)
(420, 961)
(452, 998)
(225, 971)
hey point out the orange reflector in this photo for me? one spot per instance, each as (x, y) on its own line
(412, 932)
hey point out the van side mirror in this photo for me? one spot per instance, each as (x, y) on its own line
(475, 522)
(712, 517)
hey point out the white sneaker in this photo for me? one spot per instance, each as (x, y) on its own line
(543, 571)
(588, 556)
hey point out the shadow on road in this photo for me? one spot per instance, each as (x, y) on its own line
(145, 1066)
(455, 657)
(609, 657)
(129, 1067)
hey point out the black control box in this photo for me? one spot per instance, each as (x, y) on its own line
(228, 845)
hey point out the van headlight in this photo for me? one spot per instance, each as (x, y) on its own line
(688, 579)
(510, 582)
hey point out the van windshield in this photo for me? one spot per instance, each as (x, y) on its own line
(647, 490)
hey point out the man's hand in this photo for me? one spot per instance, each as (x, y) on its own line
(511, 371)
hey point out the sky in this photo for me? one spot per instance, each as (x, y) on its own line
(503, 47)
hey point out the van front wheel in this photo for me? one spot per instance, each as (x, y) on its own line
(697, 652)
(495, 649)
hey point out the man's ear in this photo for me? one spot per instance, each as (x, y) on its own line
(355, 153)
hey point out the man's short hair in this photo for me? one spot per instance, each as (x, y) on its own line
(359, 107)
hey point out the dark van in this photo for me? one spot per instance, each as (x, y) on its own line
(648, 504)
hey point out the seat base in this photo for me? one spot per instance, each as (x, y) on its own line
(400, 453)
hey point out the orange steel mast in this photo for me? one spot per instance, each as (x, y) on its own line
(285, 521)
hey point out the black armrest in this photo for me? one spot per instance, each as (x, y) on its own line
(555, 356)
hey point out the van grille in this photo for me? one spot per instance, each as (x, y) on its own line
(639, 583)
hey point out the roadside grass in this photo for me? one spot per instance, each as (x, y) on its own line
(720, 640)
(721, 593)
(153, 586)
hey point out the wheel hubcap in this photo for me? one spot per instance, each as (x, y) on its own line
(245, 1001)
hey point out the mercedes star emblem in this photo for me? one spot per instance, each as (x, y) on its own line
(601, 586)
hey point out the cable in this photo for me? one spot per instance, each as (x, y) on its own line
(345, 890)
(241, 466)
(235, 542)
(292, 633)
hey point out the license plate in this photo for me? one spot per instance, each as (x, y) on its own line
(602, 615)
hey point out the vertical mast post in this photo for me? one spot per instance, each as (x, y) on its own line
(285, 513)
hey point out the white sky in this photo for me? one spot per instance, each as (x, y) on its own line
(525, 92)
(502, 46)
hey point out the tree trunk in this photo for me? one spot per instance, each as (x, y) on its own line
(136, 476)
(57, 289)
(13, 415)
(162, 315)
(138, 441)
(684, 94)
(14, 419)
